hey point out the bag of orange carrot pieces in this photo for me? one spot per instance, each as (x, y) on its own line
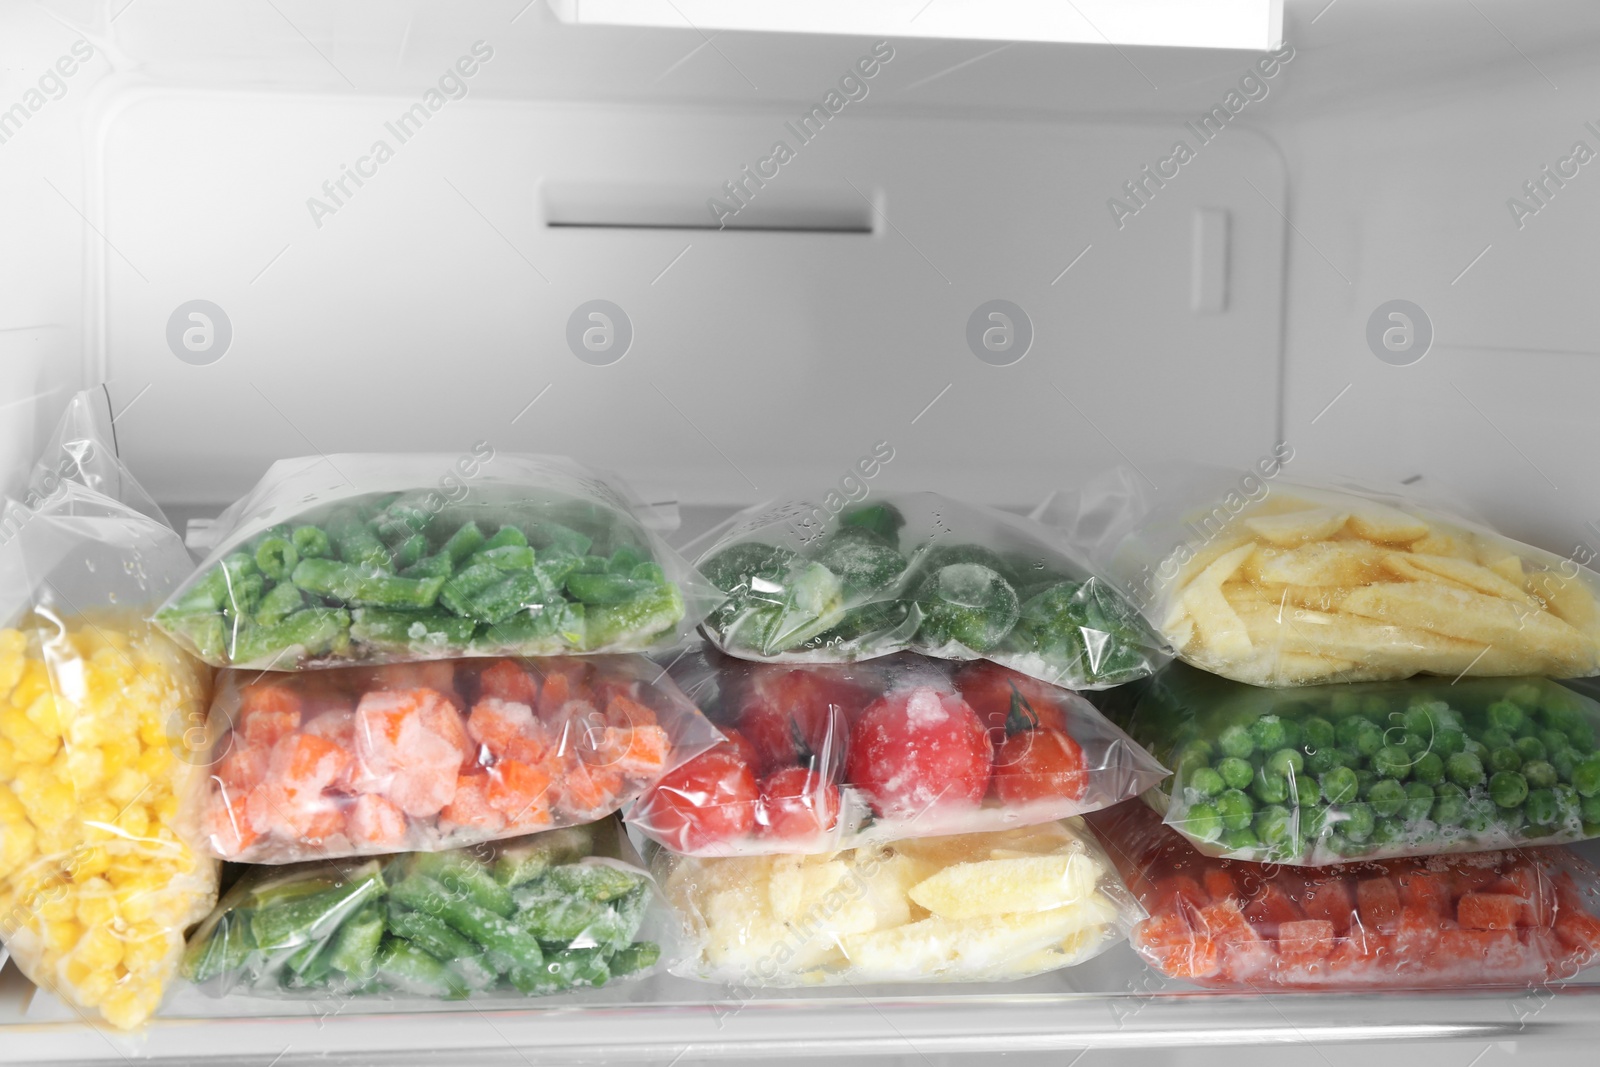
(421, 757)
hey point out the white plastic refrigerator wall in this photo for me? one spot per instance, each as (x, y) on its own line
(397, 217)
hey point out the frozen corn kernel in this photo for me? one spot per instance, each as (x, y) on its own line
(97, 884)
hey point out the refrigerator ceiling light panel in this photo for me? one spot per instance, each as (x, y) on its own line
(1244, 24)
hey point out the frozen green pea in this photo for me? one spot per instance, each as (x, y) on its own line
(1541, 808)
(1236, 772)
(1285, 761)
(1206, 782)
(1388, 833)
(1274, 826)
(1589, 809)
(1586, 777)
(1450, 806)
(1552, 740)
(1464, 769)
(1531, 749)
(1419, 801)
(1567, 807)
(1269, 788)
(1415, 743)
(1324, 760)
(1268, 733)
(1494, 738)
(1540, 774)
(1504, 715)
(1243, 840)
(1197, 751)
(1504, 759)
(1307, 793)
(1364, 780)
(1524, 694)
(1508, 788)
(1317, 732)
(1344, 703)
(1428, 769)
(1340, 785)
(1421, 717)
(1449, 742)
(1201, 822)
(1235, 741)
(1509, 821)
(1235, 809)
(1564, 759)
(1387, 797)
(1369, 739)
(1391, 762)
(1358, 821)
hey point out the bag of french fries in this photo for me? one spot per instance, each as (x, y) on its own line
(1279, 584)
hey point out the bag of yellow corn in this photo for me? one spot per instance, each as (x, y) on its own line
(101, 732)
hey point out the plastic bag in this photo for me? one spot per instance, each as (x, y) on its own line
(1377, 769)
(918, 571)
(97, 709)
(969, 908)
(422, 757)
(828, 756)
(532, 917)
(397, 558)
(1479, 919)
(1279, 584)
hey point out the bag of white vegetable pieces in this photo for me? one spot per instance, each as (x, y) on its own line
(101, 721)
(810, 582)
(966, 908)
(535, 916)
(827, 756)
(1277, 584)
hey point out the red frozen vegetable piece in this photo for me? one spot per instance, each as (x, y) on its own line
(1007, 701)
(917, 750)
(1488, 911)
(624, 711)
(227, 825)
(1575, 925)
(1425, 889)
(1532, 886)
(636, 751)
(1219, 884)
(556, 690)
(794, 717)
(1039, 764)
(1175, 948)
(739, 745)
(711, 798)
(445, 721)
(1176, 891)
(514, 788)
(1332, 899)
(267, 712)
(1377, 902)
(1302, 941)
(588, 790)
(470, 806)
(797, 804)
(373, 821)
(1417, 935)
(1245, 953)
(243, 768)
(506, 680)
(1491, 953)
(1271, 907)
(495, 723)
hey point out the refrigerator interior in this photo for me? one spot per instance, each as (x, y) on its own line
(434, 292)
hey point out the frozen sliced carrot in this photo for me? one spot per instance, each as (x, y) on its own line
(374, 822)
(1175, 948)
(470, 806)
(1334, 900)
(1425, 889)
(268, 711)
(637, 751)
(506, 680)
(1301, 941)
(1377, 902)
(496, 723)
(1488, 911)
(1270, 907)
(1219, 884)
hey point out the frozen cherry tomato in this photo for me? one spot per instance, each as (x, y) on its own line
(796, 718)
(711, 798)
(1039, 764)
(917, 749)
(1007, 701)
(798, 804)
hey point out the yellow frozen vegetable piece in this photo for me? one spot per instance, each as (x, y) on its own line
(976, 948)
(998, 886)
(1297, 527)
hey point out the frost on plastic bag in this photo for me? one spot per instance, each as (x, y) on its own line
(399, 558)
(98, 710)
(536, 916)
(1326, 773)
(1279, 584)
(429, 756)
(1482, 919)
(827, 756)
(921, 572)
(967, 908)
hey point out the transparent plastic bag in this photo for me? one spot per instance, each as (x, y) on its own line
(977, 907)
(99, 716)
(536, 916)
(1278, 584)
(827, 756)
(806, 584)
(358, 761)
(1326, 773)
(381, 558)
(1480, 919)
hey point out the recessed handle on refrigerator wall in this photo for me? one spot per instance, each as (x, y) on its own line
(683, 207)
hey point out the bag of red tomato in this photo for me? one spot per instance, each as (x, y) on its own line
(821, 757)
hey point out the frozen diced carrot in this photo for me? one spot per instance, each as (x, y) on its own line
(1219, 883)
(381, 718)
(1531, 885)
(496, 723)
(1470, 879)
(323, 824)
(1377, 902)
(1175, 948)
(1176, 891)
(1425, 889)
(268, 711)
(506, 680)
(636, 751)
(374, 822)
(1355, 953)
(307, 763)
(339, 726)
(470, 806)
(1271, 906)
(1245, 953)
(514, 785)
(1416, 936)
(227, 825)
(444, 720)
(588, 791)
(622, 710)
(1494, 953)
(1304, 940)
(1488, 911)
(556, 691)
(1575, 924)
(1332, 899)
(437, 675)
(243, 768)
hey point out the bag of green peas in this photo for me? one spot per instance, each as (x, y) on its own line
(1329, 773)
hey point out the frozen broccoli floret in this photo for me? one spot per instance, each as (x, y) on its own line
(732, 569)
(937, 557)
(863, 565)
(968, 604)
(1085, 630)
(883, 520)
(754, 576)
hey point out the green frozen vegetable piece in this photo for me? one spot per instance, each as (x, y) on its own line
(354, 950)
(1387, 796)
(278, 603)
(505, 537)
(1428, 768)
(635, 623)
(410, 551)
(516, 592)
(1202, 822)
(1086, 632)
(1235, 741)
(1464, 769)
(1324, 760)
(1269, 733)
(313, 632)
(1422, 717)
(1505, 715)
(361, 586)
(1494, 738)
(864, 566)
(358, 546)
(750, 564)
(465, 878)
(936, 557)
(1504, 759)
(639, 956)
(605, 589)
(314, 916)
(560, 539)
(1317, 733)
(494, 932)
(466, 540)
(1285, 762)
(1274, 826)
(1541, 808)
(967, 604)
(244, 594)
(400, 520)
(1340, 785)
(886, 622)
(1236, 773)
(407, 968)
(1451, 806)
(1419, 801)
(1391, 762)
(1358, 821)
(507, 557)
(1269, 788)
(625, 559)
(1449, 742)
(812, 601)
(1241, 840)
(597, 881)
(221, 948)
(410, 631)
(1206, 782)
(1531, 749)
(1589, 808)
(1387, 833)
(276, 556)
(310, 542)
(437, 565)
(433, 936)
(460, 592)
(1235, 809)
(883, 520)
(1586, 777)
(1540, 774)
(1307, 793)
(554, 915)
(1508, 788)
(1565, 761)
(238, 565)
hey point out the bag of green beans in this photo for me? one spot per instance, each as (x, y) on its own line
(534, 916)
(1378, 770)
(380, 558)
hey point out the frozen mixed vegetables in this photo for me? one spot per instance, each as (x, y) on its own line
(826, 756)
(531, 917)
(1475, 919)
(1378, 769)
(427, 756)
(919, 572)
